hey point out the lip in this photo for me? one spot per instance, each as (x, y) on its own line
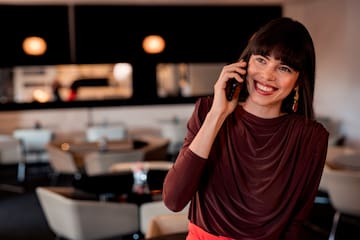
(264, 89)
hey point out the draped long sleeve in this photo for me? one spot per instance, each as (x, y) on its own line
(260, 179)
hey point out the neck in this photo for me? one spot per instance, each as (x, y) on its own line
(262, 111)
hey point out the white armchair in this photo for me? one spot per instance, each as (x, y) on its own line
(11, 153)
(61, 162)
(165, 224)
(174, 130)
(343, 187)
(79, 219)
(333, 153)
(34, 142)
(150, 210)
(10, 150)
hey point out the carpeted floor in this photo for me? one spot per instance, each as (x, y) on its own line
(21, 217)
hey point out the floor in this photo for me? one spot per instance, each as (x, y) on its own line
(21, 217)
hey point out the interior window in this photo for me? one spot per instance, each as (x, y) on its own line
(186, 79)
(78, 82)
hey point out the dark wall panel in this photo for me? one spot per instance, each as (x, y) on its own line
(114, 33)
(193, 33)
(49, 22)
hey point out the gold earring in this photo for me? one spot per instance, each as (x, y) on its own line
(296, 100)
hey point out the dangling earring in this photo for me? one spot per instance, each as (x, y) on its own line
(296, 100)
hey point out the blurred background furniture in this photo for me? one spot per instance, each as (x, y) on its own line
(10, 154)
(108, 186)
(152, 147)
(174, 130)
(346, 161)
(148, 175)
(333, 154)
(147, 165)
(343, 188)
(71, 215)
(62, 163)
(150, 210)
(99, 162)
(34, 141)
(336, 137)
(173, 236)
(156, 147)
(10, 150)
(136, 182)
(166, 224)
(109, 132)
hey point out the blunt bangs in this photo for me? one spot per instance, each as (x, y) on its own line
(287, 56)
(284, 42)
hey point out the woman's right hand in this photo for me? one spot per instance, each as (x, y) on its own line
(220, 104)
(220, 109)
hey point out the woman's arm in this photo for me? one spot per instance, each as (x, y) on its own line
(181, 182)
(183, 178)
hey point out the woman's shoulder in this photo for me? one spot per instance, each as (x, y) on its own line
(311, 126)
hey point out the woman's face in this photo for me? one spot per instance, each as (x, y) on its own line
(269, 82)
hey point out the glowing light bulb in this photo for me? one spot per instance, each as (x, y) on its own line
(153, 44)
(35, 46)
(122, 71)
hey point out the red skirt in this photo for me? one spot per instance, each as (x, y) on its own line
(197, 233)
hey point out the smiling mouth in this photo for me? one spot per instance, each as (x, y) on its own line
(264, 88)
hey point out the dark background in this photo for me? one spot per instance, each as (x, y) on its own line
(114, 33)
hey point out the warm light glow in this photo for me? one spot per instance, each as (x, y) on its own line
(153, 44)
(34, 46)
(65, 146)
(40, 95)
(122, 71)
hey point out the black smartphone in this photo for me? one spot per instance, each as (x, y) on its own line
(231, 86)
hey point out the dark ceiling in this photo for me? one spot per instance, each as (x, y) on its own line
(106, 34)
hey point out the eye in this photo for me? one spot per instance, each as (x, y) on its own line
(260, 59)
(286, 69)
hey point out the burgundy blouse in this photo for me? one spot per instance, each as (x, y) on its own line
(260, 179)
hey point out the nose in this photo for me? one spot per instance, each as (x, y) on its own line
(269, 73)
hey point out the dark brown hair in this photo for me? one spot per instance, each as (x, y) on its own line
(289, 41)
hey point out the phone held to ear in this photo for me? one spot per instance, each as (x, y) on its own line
(231, 86)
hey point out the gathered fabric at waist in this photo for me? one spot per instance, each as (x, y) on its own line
(197, 233)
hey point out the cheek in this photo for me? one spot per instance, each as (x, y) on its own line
(251, 71)
(287, 86)
(288, 82)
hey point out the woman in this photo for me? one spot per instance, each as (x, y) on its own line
(251, 168)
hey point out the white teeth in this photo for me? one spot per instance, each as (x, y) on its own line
(264, 88)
